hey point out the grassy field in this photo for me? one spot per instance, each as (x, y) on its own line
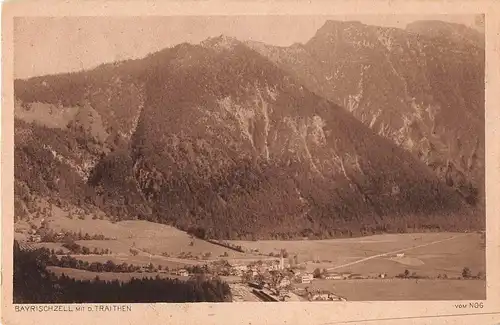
(357, 247)
(151, 238)
(399, 289)
(153, 243)
(54, 246)
(428, 254)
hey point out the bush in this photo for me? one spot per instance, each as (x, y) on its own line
(404, 275)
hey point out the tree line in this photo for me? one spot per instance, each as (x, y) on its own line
(48, 235)
(68, 261)
(83, 250)
(466, 274)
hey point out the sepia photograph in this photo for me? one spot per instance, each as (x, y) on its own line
(251, 158)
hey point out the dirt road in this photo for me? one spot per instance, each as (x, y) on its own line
(396, 251)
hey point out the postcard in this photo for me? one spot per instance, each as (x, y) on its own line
(250, 162)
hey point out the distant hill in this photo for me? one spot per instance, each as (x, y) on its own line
(218, 137)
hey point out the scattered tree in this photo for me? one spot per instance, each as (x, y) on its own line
(466, 273)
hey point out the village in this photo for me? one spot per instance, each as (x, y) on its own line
(269, 280)
(274, 280)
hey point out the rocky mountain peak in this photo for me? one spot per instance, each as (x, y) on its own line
(335, 25)
(221, 42)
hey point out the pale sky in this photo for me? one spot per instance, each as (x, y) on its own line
(47, 45)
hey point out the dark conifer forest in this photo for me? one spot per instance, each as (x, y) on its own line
(33, 283)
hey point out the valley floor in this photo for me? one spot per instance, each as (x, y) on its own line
(435, 261)
(402, 289)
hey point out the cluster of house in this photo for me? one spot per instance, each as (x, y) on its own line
(238, 270)
(303, 278)
(348, 275)
(325, 296)
(341, 276)
(318, 295)
(308, 277)
(258, 268)
(34, 238)
(288, 276)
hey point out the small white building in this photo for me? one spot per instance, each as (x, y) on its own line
(346, 275)
(400, 255)
(239, 270)
(323, 296)
(333, 276)
(35, 238)
(307, 278)
(284, 282)
(183, 272)
(243, 268)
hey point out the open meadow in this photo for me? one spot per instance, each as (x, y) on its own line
(427, 254)
(402, 289)
(139, 242)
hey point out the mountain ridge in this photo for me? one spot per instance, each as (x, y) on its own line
(262, 156)
(362, 67)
